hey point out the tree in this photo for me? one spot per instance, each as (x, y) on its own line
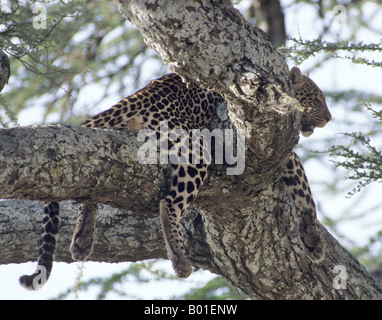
(246, 235)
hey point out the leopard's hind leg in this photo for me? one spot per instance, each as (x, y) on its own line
(185, 183)
(51, 226)
(83, 236)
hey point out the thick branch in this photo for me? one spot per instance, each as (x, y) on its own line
(5, 69)
(70, 162)
(120, 234)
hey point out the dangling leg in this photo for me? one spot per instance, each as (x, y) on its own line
(51, 226)
(185, 184)
(83, 236)
(170, 217)
(309, 229)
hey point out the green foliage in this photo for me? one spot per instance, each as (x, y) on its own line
(85, 43)
(8, 117)
(362, 159)
(303, 49)
(34, 51)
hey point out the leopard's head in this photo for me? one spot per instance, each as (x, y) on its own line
(315, 112)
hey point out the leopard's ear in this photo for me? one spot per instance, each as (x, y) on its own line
(296, 75)
(297, 78)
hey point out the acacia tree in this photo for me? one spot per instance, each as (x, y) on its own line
(246, 230)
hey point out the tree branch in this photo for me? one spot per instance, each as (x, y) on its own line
(120, 234)
(61, 162)
(5, 70)
(247, 230)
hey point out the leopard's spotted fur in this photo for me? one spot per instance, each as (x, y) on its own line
(191, 107)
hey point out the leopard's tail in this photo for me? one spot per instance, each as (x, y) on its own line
(51, 226)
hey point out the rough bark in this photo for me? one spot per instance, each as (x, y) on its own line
(59, 162)
(246, 230)
(120, 236)
(5, 69)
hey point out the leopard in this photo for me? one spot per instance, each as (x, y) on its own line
(185, 106)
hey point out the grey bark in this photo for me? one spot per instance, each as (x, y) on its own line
(59, 162)
(246, 229)
(120, 234)
(5, 69)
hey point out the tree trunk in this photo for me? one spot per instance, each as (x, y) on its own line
(5, 70)
(269, 16)
(246, 229)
